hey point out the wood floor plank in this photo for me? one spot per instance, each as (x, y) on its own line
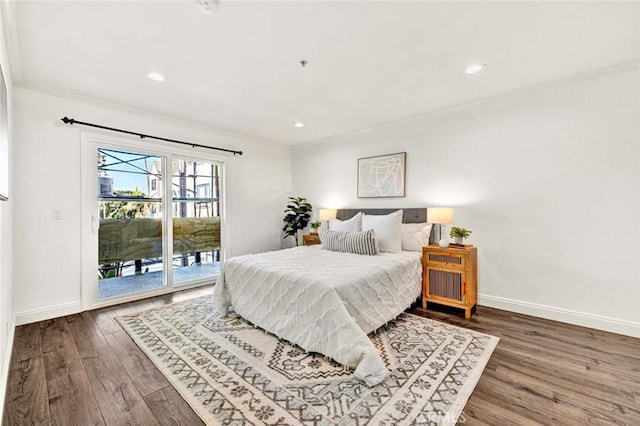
(622, 345)
(105, 320)
(26, 394)
(144, 374)
(576, 347)
(27, 402)
(136, 307)
(58, 349)
(525, 401)
(26, 342)
(485, 412)
(71, 400)
(572, 396)
(118, 398)
(472, 421)
(569, 375)
(86, 334)
(170, 409)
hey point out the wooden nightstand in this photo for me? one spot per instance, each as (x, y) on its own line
(450, 277)
(310, 239)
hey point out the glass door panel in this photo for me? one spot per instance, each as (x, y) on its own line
(130, 236)
(196, 220)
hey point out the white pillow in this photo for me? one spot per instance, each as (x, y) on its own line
(350, 225)
(415, 236)
(388, 230)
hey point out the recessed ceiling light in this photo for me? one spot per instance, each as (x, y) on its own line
(474, 68)
(207, 6)
(298, 124)
(155, 76)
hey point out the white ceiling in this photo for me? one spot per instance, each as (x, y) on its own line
(368, 62)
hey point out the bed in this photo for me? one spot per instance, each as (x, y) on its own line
(325, 301)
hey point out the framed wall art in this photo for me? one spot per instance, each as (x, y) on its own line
(382, 176)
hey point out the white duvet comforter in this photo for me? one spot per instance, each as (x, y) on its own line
(321, 300)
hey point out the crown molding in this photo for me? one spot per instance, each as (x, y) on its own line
(565, 81)
(240, 137)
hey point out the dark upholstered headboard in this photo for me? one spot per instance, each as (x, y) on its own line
(412, 215)
(408, 215)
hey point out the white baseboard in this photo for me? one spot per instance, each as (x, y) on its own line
(39, 314)
(6, 365)
(599, 322)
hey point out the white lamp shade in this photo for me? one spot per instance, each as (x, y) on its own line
(440, 215)
(327, 214)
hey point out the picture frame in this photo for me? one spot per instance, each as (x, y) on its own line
(382, 176)
(4, 140)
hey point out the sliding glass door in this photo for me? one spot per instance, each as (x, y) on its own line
(155, 222)
(195, 191)
(131, 229)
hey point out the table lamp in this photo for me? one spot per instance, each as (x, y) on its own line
(325, 215)
(439, 216)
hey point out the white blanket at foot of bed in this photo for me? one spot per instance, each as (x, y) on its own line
(323, 301)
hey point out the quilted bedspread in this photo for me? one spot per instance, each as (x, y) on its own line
(323, 301)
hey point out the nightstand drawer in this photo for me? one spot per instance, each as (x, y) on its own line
(446, 259)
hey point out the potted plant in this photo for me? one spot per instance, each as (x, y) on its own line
(459, 234)
(297, 216)
(314, 226)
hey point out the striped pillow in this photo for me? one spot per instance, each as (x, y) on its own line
(363, 242)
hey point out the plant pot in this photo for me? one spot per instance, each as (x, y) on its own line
(314, 231)
(458, 240)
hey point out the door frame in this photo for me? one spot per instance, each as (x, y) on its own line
(90, 221)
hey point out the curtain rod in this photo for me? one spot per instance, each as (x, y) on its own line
(71, 121)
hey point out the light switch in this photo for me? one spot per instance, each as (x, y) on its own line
(57, 213)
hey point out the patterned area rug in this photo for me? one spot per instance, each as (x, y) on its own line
(232, 373)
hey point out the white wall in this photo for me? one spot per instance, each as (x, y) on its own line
(7, 323)
(47, 253)
(547, 180)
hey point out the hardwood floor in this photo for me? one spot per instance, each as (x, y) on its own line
(84, 369)
(546, 372)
